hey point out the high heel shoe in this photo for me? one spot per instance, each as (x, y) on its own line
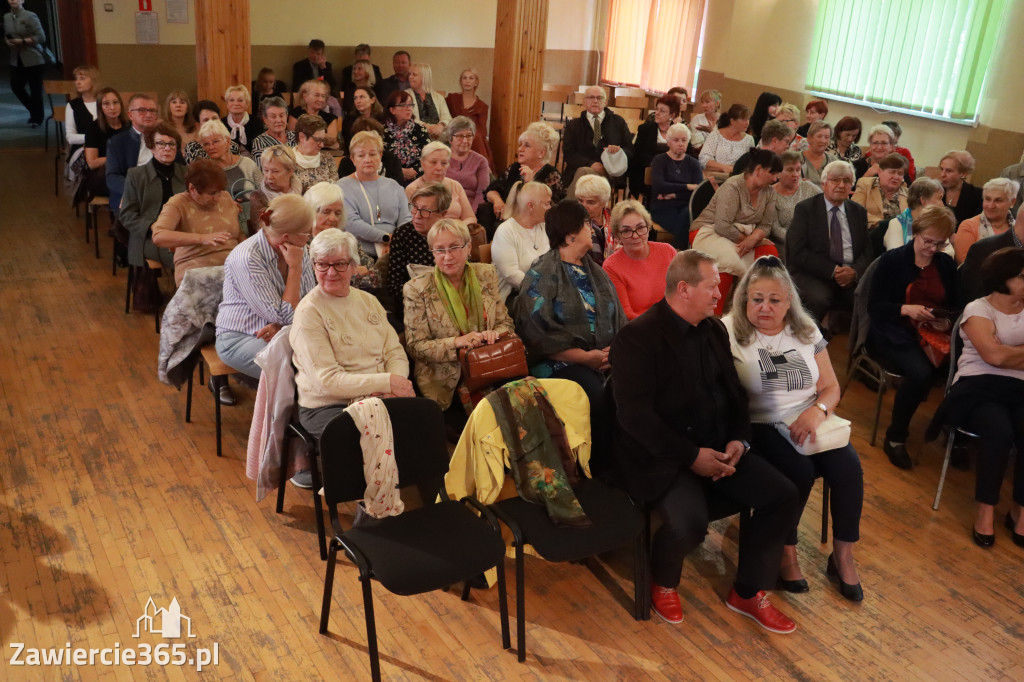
(793, 586)
(983, 540)
(851, 592)
(1018, 539)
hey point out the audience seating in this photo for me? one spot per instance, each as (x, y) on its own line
(629, 92)
(92, 224)
(955, 347)
(132, 272)
(64, 91)
(219, 373)
(60, 142)
(295, 430)
(421, 550)
(640, 102)
(485, 253)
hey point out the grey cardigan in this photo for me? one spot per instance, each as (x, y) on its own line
(141, 204)
(26, 24)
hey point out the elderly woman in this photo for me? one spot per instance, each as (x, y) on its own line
(81, 111)
(328, 201)
(845, 137)
(522, 238)
(364, 106)
(728, 142)
(264, 278)
(996, 217)
(403, 136)
(651, 140)
(375, 205)
(910, 309)
(454, 305)
(783, 363)
(428, 106)
(390, 166)
(343, 348)
(274, 113)
(278, 178)
(177, 111)
(204, 111)
(244, 129)
(883, 195)
(765, 108)
(674, 176)
(790, 190)
(963, 198)
(703, 123)
(881, 143)
(535, 150)
(428, 204)
(638, 269)
(313, 95)
(987, 396)
(435, 160)
(923, 192)
(790, 115)
(313, 165)
(146, 189)
(468, 167)
(466, 103)
(741, 216)
(363, 78)
(216, 141)
(567, 313)
(110, 121)
(816, 156)
(201, 224)
(594, 193)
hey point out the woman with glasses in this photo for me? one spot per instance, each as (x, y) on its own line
(467, 167)
(204, 111)
(343, 348)
(466, 103)
(403, 136)
(313, 165)
(278, 164)
(923, 192)
(313, 95)
(638, 269)
(274, 113)
(374, 205)
(911, 308)
(454, 305)
(216, 142)
(435, 160)
(264, 278)
(408, 246)
(328, 201)
(783, 363)
(997, 197)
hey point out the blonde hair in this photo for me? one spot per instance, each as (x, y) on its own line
(543, 133)
(451, 226)
(238, 88)
(521, 194)
(90, 71)
(289, 214)
(435, 146)
(309, 85)
(797, 319)
(213, 128)
(593, 186)
(281, 152)
(711, 96)
(364, 138)
(428, 75)
(788, 108)
(624, 208)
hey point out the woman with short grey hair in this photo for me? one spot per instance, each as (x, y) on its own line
(274, 113)
(216, 142)
(468, 167)
(997, 196)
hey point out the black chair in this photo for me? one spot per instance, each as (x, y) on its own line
(955, 346)
(295, 430)
(701, 197)
(420, 550)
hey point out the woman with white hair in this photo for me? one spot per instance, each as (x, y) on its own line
(374, 205)
(466, 103)
(674, 176)
(313, 99)
(435, 159)
(594, 193)
(274, 113)
(428, 106)
(995, 218)
(342, 345)
(328, 201)
(534, 153)
(457, 304)
(467, 167)
(264, 278)
(521, 239)
(963, 198)
(279, 178)
(244, 129)
(216, 142)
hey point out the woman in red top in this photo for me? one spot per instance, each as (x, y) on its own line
(466, 103)
(638, 269)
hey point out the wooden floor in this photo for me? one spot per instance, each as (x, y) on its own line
(108, 498)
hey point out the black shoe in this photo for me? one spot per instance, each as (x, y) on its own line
(959, 459)
(982, 540)
(793, 586)
(1018, 539)
(225, 395)
(898, 455)
(851, 592)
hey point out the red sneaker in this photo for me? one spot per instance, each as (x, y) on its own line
(759, 607)
(665, 601)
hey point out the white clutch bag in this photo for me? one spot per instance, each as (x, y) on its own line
(833, 433)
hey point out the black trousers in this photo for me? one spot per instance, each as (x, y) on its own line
(918, 373)
(840, 468)
(820, 296)
(31, 99)
(1001, 427)
(684, 509)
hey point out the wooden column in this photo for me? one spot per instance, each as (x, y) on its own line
(78, 39)
(223, 51)
(519, 38)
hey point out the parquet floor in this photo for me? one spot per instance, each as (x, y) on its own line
(108, 498)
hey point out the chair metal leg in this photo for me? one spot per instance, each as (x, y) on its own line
(282, 481)
(520, 603)
(506, 640)
(218, 381)
(188, 397)
(639, 569)
(202, 379)
(318, 510)
(56, 162)
(945, 466)
(882, 385)
(824, 511)
(371, 628)
(325, 607)
(128, 292)
(96, 238)
(113, 258)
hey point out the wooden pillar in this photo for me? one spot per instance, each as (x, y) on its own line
(78, 39)
(520, 35)
(223, 50)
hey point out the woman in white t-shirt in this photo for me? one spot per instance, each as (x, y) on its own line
(521, 239)
(987, 396)
(783, 363)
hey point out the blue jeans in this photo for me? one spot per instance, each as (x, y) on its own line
(237, 350)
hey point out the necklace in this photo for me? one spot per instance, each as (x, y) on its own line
(772, 348)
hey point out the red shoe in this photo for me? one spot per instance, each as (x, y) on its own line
(759, 607)
(665, 602)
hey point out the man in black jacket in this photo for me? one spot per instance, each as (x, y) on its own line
(314, 67)
(682, 444)
(597, 129)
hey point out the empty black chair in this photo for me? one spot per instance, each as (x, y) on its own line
(417, 551)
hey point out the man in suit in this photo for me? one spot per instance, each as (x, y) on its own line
(596, 130)
(362, 52)
(401, 62)
(128, 150)
(314, 67)
(682, 447)
(827, 247)
(970, 271)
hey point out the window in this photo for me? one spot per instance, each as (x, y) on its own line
(652, 44)
(925, 57)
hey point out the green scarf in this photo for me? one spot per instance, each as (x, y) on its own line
(465, 305)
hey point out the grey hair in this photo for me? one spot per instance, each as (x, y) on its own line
(840, 168)
(333, 240)
(274, 102)
(427, 73)
(921, 189)
(882, 130)
(458, 125)
(324, 194)
(451, 226)
(436, 190)
(593, 186)
(435, 146)
(800, 323)
(213, 128)
(677, 129)
(1004, 185)
(685, 267)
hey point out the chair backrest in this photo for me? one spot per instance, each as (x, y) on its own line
(701, 197)
(956, 345)
(635, 102)
(485, 253)
(571, 111)
(629, 92)
(860, 324)
(628, 113)
(420, 449)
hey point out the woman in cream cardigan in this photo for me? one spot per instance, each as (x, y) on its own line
(455, 305)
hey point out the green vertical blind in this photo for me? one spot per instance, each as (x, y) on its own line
(928, 56)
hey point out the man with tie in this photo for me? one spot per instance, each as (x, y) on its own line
(827, 248)
(129, 149)
(596, 130)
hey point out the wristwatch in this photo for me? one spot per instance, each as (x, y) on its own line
(746, 446)
(822, 407)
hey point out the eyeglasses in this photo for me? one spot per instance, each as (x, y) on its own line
(932, 244)
(841, 181)
(463, 136)
(319, 140)
(422, 212)
(407, 105)
(638, 231)
(165, 145)
(450, 249)
(593, 98)
(147, 111)
(340, 268)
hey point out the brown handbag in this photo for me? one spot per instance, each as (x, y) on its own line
(495, 362)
